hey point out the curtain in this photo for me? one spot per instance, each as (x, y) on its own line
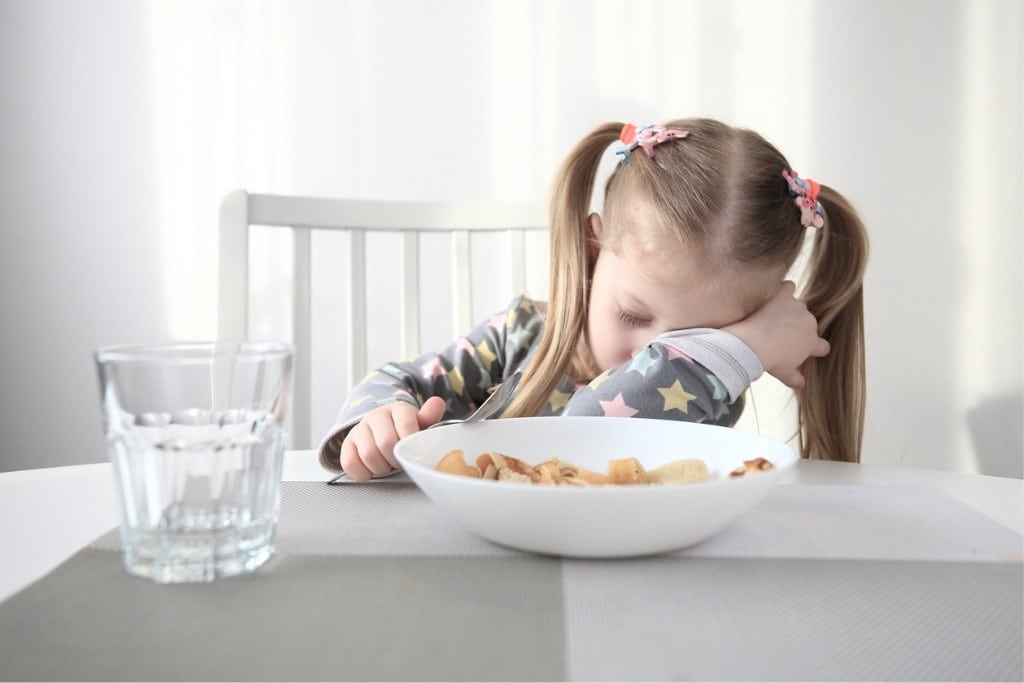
(911, 109)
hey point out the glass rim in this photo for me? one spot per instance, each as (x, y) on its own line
(196, 351)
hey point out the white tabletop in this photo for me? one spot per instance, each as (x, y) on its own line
(49, 514)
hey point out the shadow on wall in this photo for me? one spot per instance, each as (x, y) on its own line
(996, 425)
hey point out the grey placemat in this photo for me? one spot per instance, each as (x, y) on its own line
(387, 517)
(299, 618)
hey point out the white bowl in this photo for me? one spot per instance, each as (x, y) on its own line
(604, 521)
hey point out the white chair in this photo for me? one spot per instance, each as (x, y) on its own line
(240, 210)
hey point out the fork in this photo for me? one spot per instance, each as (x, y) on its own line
(491, 406)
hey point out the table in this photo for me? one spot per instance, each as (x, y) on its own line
(946, 533)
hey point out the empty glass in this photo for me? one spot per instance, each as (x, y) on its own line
(196, 434)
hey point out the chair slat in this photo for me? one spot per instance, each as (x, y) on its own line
(302, 338)
(410, 295)
(386, 215)
(462, 276)
(356, 330)
(233, 268)
(517, 260)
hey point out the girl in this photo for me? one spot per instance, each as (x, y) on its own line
(666, 305)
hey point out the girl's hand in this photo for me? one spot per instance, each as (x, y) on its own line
(369, 448)
(783, 334)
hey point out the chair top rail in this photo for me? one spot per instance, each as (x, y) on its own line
(386, 215)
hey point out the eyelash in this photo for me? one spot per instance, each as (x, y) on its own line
(630, 320)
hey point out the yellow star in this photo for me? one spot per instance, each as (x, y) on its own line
(558, 400)
(596, 382)
(484, 353)
(369, 376)
(360, 401)
(455, 379)
(676, 397)
(510, 318)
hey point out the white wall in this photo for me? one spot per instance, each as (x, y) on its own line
(123, 123)
(80, 259)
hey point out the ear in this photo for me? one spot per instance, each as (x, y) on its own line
(593, 246)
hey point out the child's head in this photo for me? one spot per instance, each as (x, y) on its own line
(691, 236)
(698, 232)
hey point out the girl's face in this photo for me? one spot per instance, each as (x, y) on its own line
(636, 297)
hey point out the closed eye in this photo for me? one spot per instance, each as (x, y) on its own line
(631, 319)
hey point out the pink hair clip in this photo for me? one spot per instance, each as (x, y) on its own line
(805, 193)
(647, 137)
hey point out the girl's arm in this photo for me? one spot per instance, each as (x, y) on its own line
(462, 374)
(696, 375)
(783, 334)
(699, 375)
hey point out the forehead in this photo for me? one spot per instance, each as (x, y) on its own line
(677, 289)
(662, 262)
(634, 227)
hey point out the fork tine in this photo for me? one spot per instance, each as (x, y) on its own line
(498, 399)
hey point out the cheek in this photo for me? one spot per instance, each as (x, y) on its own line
(602, 338)
(611, 345)
(597, 329)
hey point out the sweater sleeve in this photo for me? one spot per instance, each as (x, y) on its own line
(463, 374)
(695, 375)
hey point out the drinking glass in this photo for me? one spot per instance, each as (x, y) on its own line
(196, 434)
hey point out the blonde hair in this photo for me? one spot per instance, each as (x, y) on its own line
(721, 191)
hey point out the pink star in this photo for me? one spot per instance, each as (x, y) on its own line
(432, 368)
(464, 344)
(617, 407)
(497, 321)
(674, 352)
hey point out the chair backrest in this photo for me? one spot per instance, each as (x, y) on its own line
(240, 210)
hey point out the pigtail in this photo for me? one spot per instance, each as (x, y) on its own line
(559, 351)
(832, 401)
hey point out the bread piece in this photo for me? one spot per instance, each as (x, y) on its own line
(549, 473)
(749, 467)
(627, 471)
(685, 471)
(584, 476)
(485, 460)
(506, 474)
(504, 463)
(454, 462)
(567, 470)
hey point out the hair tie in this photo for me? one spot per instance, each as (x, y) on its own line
(647, 136)
(805, 193)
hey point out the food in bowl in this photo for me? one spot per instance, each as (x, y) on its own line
(749, 467)
(594, 521)
(554, 472)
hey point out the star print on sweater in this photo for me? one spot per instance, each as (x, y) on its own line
(697, 375)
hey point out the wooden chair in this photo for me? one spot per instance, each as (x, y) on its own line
(241, 209)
